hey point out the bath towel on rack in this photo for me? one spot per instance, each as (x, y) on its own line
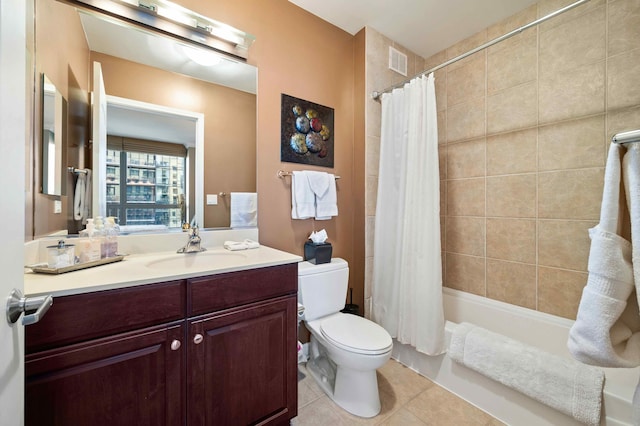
(313, 195)
(323, 186)
(82, 197)
(607, 328)
(561, 383)
(602, 335)
(302, 197)
(244, 209)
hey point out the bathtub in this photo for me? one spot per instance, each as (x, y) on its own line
(544, 331)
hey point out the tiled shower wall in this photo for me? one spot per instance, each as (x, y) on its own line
(524, 127)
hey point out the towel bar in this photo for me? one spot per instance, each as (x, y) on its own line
(282, 173)
(626, 137)
(77, 171)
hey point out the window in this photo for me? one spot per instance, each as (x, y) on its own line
(146, 182)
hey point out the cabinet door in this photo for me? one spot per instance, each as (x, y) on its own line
(244, 369)
(135, 378)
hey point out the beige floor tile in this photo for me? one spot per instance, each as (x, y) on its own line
(401, 382)
(308, 389)
(406, 399)
(318, 413)
(437, 406)
(402, 417)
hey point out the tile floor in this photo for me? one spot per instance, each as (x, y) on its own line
(407, 399)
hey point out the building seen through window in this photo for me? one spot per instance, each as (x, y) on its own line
(146, 188)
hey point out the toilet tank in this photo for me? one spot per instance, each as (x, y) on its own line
(322, 289)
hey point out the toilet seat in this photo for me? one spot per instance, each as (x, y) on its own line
(356, 334)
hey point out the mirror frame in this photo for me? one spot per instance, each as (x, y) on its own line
(198, 215)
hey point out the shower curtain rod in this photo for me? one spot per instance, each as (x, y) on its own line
(626, 137)
(376, 95)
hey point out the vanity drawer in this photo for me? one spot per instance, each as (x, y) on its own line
(222, 291)
(77, 318)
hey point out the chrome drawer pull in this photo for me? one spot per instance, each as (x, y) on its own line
(198, 339)
(175, 345)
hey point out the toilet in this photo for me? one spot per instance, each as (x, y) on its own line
(345, 350)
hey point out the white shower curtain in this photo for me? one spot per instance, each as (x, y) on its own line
(407, 268)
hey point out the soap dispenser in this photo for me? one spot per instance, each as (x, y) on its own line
(88, 244)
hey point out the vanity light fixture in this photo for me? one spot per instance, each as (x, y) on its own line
(176, 21)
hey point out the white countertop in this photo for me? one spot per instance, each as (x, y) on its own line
(137, 269)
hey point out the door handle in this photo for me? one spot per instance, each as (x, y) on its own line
(18, 304)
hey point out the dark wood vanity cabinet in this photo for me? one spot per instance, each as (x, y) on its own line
(215, 350)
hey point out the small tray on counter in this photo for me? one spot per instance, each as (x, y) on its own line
(42, 268)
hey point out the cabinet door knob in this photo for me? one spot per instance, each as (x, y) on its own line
(175, 345)
(197, 339)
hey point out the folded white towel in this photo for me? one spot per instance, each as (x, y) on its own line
(318, 182)
(607, 328)
(563, 384)
(244, 209)
(631, 168)
(327, 204)
(78, 196)
(82, 197)
(241, 245)
(302, 197)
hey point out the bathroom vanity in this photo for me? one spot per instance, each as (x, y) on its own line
(215, 345)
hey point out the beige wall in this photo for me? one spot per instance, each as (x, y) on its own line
(302, 56)
(523, 129)
(62, 54)
(229, 123)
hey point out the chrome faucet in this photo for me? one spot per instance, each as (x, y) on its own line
(193, 244)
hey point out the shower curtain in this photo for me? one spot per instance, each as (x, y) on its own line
(407, 268)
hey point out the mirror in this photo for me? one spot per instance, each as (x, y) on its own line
(147, 68)
(53, 134)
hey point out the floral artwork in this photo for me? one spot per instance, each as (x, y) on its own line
(306, 132)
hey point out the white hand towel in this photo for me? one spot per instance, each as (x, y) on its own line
(607, 328)
(563, 384)
(302, 197)
(241, 245)
(318, 182)
(327, 204)
(244, 209)
(86, 212)
(631, 176)
(251, 244)
(78, 196)
(82, 197)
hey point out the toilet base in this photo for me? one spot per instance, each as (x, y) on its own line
(356, 391)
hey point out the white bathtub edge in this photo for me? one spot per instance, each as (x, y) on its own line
(544, 331)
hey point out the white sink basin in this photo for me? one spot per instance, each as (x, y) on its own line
(200, 260)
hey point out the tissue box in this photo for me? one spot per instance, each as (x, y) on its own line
(317, 253)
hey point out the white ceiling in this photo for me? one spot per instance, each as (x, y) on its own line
(423, 26)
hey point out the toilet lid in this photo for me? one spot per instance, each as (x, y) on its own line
(356, 334)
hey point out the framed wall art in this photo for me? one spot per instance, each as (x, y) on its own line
(306, 130)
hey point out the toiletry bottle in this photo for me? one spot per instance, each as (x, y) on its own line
(89, 245)
(98, 233)
(112, 230)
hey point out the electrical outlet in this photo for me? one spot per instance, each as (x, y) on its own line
(57, 206)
